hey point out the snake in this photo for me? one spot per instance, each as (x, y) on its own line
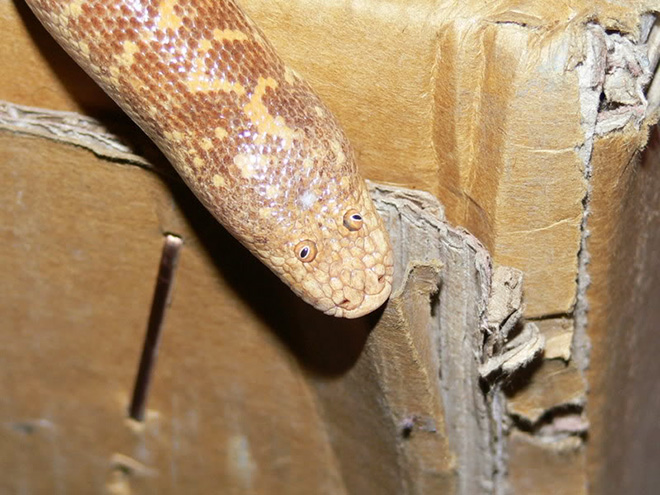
(247, 134)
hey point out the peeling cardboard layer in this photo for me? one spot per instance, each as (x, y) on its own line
(505, 354)
(83, 131)
(558, 333)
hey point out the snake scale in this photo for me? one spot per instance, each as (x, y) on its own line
(245, 132)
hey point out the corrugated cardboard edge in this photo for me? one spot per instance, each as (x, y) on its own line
(457, 321)
(471, 319)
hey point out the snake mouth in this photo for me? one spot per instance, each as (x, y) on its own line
(370, 303)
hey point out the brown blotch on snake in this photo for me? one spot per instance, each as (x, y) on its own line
(247, 134)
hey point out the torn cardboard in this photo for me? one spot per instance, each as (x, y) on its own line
(503, 352)
(558, 334)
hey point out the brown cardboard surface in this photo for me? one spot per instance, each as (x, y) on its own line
(75, 307)
(454, 113)
(624, 317)
(513, 114)
(253, 392)
(37, 72)
(557, 467)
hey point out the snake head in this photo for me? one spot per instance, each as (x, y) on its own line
(248, 135)
(338, 259)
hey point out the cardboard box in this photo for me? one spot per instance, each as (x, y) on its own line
(525, 120)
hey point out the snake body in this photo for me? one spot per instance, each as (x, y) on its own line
(245, 132)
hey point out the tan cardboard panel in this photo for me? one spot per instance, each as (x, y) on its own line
(83, 240)
(38, 72)
(624, 317)
(558, 333)
(546, 467)
(468, 112)
(553, 384)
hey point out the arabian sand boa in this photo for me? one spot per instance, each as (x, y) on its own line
(246, 133)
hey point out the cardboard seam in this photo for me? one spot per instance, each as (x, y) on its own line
(76, 130)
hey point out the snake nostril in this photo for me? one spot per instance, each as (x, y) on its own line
(381, 278)
(344, 303)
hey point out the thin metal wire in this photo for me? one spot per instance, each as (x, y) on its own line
(164, 282)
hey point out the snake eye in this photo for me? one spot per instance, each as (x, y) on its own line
(305, 251)
(353, 220)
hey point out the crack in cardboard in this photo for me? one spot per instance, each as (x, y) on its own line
(552, 425)
(551, 226)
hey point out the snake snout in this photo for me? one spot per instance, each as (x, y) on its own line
(355, 303)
